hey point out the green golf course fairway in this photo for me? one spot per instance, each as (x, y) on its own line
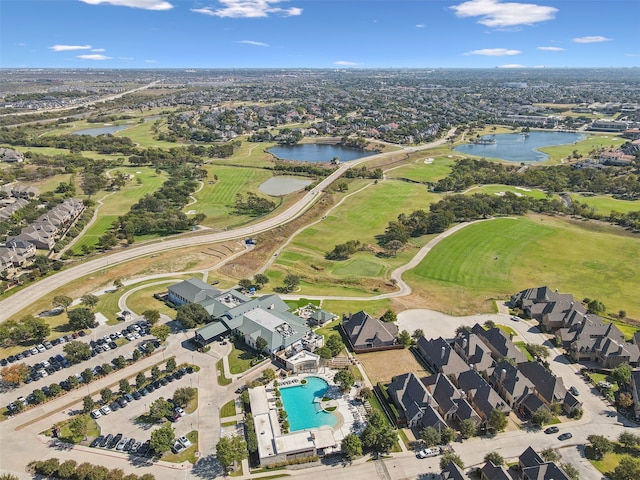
(496, 258)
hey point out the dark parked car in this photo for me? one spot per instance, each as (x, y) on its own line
(113, 345)
(82, 333)
(114, 406)
(163, 381)
(128, 397)
(106, 441)
(114, 441)
(551, 430)
(144, 448)
(189, 369)
(144, 392)
(122, 402)
(96, 441)
(157, 384)
(170, 378)
(129, 444)
(12, 358)
(565, 436)
(136, 395)
(3, 362)
(150, 387)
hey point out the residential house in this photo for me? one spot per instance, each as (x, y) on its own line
(547, 387)
(414, 402)
(11, 156)
(509, 382)
(7, 212)
(499, 343)
(601, 343)
(489, 471)
(480, 395)
(18, 190)
(365, 333)
(526, 298)
(473, 351)
(635, 391)
(191, 291)
(38, 235)
(529, 458)
(452, 404)
(616, 158)
(453, 472)
(545, 471)
(321, 317)
(554, 314)
(441, 357)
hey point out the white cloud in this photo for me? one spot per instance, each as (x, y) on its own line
(150, 61)
(592, 39)
(345, 63)
(551, 49)
(21, 44)
(632, 54)
(144, 4)
(248, 9)
(125, 58)
(93, 56)
(251, 42)
(494, 13)
(97, 49)
(420, 25)
(65, 48)
(512, 65)
(494, 52)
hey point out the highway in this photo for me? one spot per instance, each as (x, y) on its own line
(22, 299)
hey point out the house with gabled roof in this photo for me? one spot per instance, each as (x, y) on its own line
(526, 298)
(440, 356)
(603, 343)
(473, 351)
(545, 471)
(365, 333)
(321, 317)
(480, 395)
(547, 387)
(509, 382)
(192, 290)
(452, 404)
(554, 314)
(417, 406)
(499, 343)
(453, 472)
(490, 471)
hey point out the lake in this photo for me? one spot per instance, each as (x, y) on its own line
(316, 152)
(283, 185)
(517, 147)
(94, 132)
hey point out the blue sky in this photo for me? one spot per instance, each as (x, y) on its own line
(319, 33)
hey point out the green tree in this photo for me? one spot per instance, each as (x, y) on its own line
(73, 382)
(161, 332)
(231, 450)
(291, 282)
(9, 476)
(627, 469)
(344, 379)
(182, 396)
(269, 374)
(124, 386)
(386, 439)
(54, 390)
(537, 350)
(160, 409)
(15, 374)
(600, 446)
(541, 416)
(119, 362)
(622, 374)
(117, 284)
(87, 375)
(79, 425)
(489, 324)
(467, 428)
(106, 395)
(151, 316)
(245, 284)
(324, 352)
(625, 400)
(66, 469)
(629, 439)
(497, 420)
(389, 316)
(494, 457)
(351, 446)
(115, 474)
(448, 435)
(449, 457)
(88, 404)
(155, 373)
(417, 334)
(141, 379)
(76, 352)
(571, 471)
(171, 365)
(260, 279)
(261, 344)
(62, 301)
(89, 300)
(192, 314)
(430, 436)
(163, 438)
(404, 338)
(550, 455)
(81, 318)
(334, 343)
(38, 396)
(596, 307)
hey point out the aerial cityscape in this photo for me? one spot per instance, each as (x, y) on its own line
(261, 238)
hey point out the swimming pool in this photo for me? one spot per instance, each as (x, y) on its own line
(302, 406)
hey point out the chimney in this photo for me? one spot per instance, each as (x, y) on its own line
(472, 366)
(503, 374)
(464, 343)
(443, 350)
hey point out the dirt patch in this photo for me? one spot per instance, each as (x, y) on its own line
(383, 366)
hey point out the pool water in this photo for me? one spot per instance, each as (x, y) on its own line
(302, 411)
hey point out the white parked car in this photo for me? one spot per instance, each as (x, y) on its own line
(184, 441)
(96, 414)
(105, 410)
(428, 452)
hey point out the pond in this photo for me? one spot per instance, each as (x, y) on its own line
(317, 152)
(283, 185)
(107, 129)
(519, 147)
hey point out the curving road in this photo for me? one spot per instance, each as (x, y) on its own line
(22, 299)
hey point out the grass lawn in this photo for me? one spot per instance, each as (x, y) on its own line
(241, 357)
(607, 204)
(523, 346)
(507, 329)
(228, 409)
(49, 184)
(222, 379)
(583, 147)
(305, 255)
(119, 203)
(372, 307)
(493, 259)
(611, 460)
(93, 430)
(302, 302)
(143, 299)
(217, 198)
(188, 455)
(419, 171)
(519, 191)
